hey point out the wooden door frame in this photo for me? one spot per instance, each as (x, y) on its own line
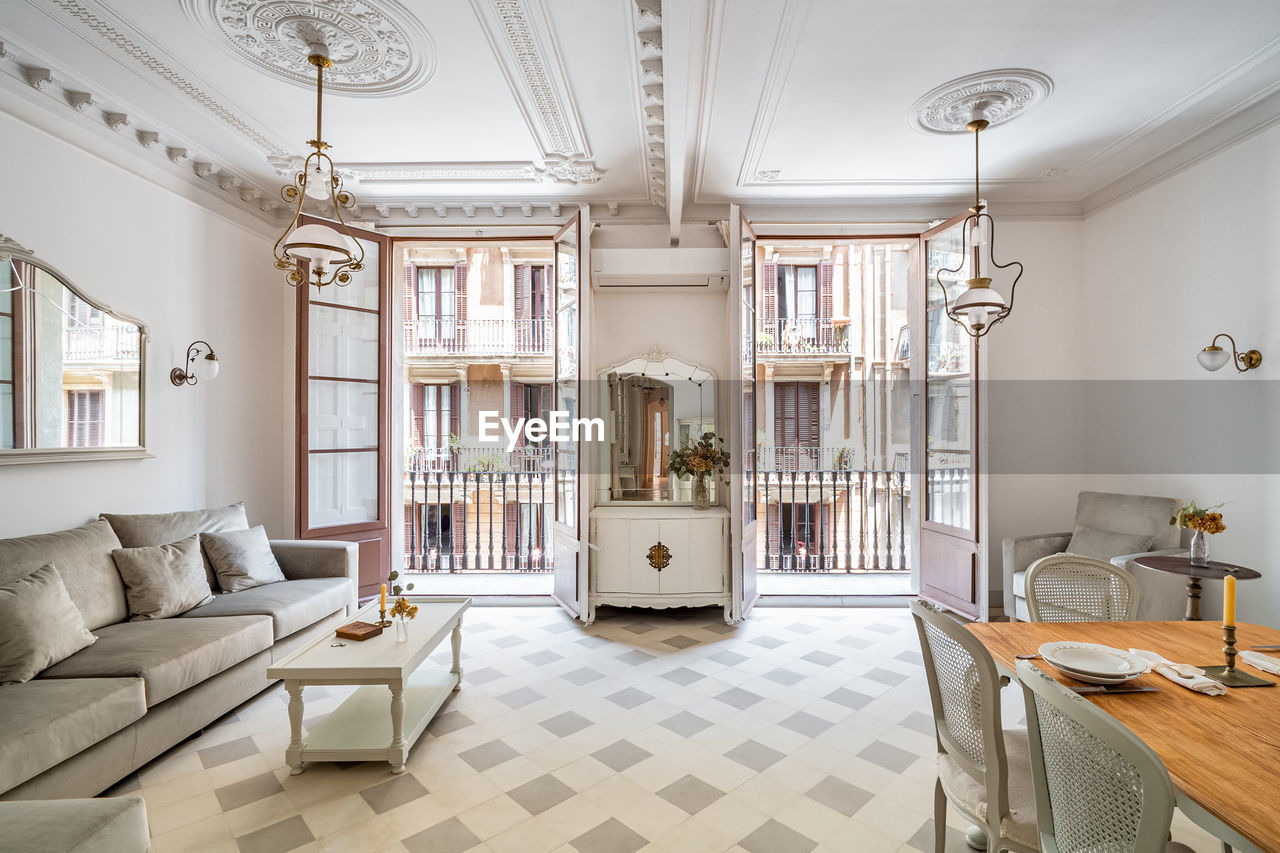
(957, 538)
(302, 379)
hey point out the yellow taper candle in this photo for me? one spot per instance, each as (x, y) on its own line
(384, 597)
(1229, 601)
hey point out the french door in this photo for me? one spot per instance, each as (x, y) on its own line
(569, 584)
(742, 430)
(946, 368)
(343, 468)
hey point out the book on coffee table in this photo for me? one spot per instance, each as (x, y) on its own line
(358, 631)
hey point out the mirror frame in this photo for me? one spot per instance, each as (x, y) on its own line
(651, 355)
(10, 250)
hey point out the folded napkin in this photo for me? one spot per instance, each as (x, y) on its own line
(1261, 661)
(1180, 673)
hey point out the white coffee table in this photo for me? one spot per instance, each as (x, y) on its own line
(368, 726)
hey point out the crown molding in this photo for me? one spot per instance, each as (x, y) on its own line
(785, 44)
(114, 131)
(99, 25)
(648, 76)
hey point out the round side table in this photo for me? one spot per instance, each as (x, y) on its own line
(1195, 574)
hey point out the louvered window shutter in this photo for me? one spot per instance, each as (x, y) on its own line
(771, 518)
(826, 275)
(409, 302)
(518, 409)
(808, 424)
(455, 403)
(779, 415)
(548, 291)
(769, 287)
(411, 535)
(73, 419)
(460, 302)
(458, 516)
(417, 403)
(523, 332)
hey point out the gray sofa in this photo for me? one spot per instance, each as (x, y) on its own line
(91, 719)
(1161, 596)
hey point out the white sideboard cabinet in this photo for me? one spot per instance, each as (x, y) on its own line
(659, 556)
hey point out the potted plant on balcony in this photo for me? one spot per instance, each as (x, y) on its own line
(700, 459)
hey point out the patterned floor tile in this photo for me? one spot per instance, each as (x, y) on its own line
(839, 795)
(755, 755)
(394, 793)
(629, 697)
(774, 837)
(690, 793)
(612, 836)
(620, 755)
(538, 795)
(449, 836)
(686, 723)
(488, 755)
(683, 676)
(563, 725)
(288, 834)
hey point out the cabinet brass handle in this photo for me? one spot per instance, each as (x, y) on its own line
(659, 556)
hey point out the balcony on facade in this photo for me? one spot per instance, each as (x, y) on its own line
(802, 336)
(109, 342)
(496, 338)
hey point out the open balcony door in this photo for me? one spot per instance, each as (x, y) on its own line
(946, 435)
(742, 430)
(342, 471)
(569, 583)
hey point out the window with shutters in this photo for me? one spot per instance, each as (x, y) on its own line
(437, 304)
(85, 418)
(800, 529)
(797, 292)
(435, 415)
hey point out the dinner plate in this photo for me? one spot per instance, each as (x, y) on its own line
(1094, 659)
(1090, 678)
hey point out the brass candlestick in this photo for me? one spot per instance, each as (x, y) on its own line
(1228, 674)
(384, 622)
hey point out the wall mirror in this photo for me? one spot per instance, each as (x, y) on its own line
(71, 368)
(656, 404)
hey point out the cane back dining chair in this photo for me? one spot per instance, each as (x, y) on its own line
(1072, 588)
(1098, 787)
(984, 771)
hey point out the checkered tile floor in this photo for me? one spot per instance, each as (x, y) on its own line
(658, 731)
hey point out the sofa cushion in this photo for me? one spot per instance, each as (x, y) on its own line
(169, 655)
(163, 580)
(241, 559)
(46, 721)
(292, 605)
(1104, 544)
(138, 531)
(41, 625)
(83, 557)
(112, 824)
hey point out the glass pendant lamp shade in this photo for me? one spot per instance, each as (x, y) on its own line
(319, 245)
(1213, 358)
(318, 183)
(976, 305)
(211, 367)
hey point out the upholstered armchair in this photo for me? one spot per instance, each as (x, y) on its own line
(1112, 527)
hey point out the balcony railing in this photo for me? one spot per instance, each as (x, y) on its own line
(494, 521)
(449, 336)
(100, 343)
(804, 458)
(855, 520)
(527, 460)
(801, 336)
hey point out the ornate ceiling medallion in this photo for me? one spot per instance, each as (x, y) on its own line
(377, 46)
(1001, 95)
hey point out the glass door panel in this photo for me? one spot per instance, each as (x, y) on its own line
(566, 540)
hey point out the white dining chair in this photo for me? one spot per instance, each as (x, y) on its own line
(984, 771)
(1098, 787)
(1072, 588)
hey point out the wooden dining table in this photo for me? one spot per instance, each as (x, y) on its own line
(1223, 752)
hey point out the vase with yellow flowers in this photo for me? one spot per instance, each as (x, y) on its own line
(700, 459)
(401, 609)
(1203, 522)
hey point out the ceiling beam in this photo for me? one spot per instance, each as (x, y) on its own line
(676, 39)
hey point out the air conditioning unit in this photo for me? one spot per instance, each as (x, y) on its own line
(660, 268)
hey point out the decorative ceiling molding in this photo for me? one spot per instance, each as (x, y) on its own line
(55, 92)
(560, 170)
(790, 27)
(520, 35)
(377, 47)
(1001, 95)
(646, 22)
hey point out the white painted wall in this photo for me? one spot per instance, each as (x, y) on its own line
(188, 274)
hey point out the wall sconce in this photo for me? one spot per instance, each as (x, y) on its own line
(180, 377)
(1214, 357)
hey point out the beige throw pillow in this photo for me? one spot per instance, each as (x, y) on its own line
(1105, 544)
(163, 580)
(242, 559)
(41, 625)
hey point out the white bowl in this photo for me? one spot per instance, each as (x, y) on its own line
(1094, 659)
(1090, 678)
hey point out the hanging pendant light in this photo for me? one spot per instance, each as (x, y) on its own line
(318, 254)
(980, 306)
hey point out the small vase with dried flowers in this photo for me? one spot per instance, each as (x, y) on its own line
(401, 610)
(700, 459)
(1203, 522)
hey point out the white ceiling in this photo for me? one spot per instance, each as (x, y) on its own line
(669, 108)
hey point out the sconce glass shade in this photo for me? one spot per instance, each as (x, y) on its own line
(1213, 358)
(318, 245)
(319, 182)
(211, 367)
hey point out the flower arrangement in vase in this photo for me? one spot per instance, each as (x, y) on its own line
(1202, 522)
(700, 459)
(401, 610)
